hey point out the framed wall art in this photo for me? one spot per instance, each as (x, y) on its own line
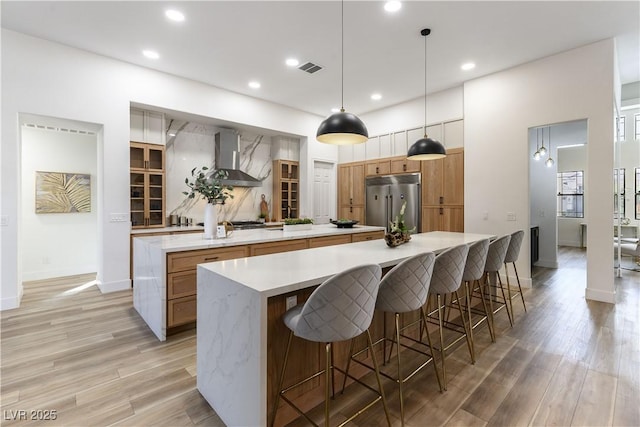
(62, 192)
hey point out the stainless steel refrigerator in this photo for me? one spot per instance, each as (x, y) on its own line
(385, 196)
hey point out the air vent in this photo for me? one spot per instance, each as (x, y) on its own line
(58, 129)
(310, 67)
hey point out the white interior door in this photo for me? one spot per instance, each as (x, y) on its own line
(324, 192)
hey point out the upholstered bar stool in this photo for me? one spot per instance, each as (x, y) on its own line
(472, 278)
(495, 259)
(403, 289)
(510, 258)
(446, 280)
(340, 309)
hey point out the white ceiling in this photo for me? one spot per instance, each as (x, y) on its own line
(228, 43)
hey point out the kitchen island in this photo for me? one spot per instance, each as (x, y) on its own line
(164, 266)
(241, 337)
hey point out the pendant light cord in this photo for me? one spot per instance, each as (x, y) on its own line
(342, 58)
(425, 86)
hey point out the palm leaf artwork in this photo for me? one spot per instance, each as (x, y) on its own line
(59, 192)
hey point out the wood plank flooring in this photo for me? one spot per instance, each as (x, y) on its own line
(566, 361)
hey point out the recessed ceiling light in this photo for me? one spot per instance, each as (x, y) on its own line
(292, 62)
(392, 6)
(335, 110)
(254, 85)
(174, 15)
(468, 66)
(151, 54)
(376, 97)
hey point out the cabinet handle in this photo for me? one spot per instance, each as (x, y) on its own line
(211, 258)
(377, 169)
(404, 167)
(350, 200)
(441, 199)
(441, 211)
(351, 209)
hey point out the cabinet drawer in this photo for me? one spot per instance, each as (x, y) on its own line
(181, 311)
(276, 247)
(181, 284)
(373, 235)
(318, 242)
(404, 165)
(182, 261)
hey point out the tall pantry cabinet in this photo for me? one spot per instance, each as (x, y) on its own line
(443, 192)
(351, 191)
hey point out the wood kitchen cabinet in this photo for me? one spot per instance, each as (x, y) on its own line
(378, 167)
(403, 165)
(286, 186)
(443, 192)
(147, 185)
(351, 191)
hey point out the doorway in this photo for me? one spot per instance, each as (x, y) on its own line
(58, 197)
(558, 178)
(324, 200)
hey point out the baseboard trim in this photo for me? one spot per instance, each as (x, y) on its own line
(525, 282)
(29, 276)
(602, 296)
(11, 302)
(120, 285)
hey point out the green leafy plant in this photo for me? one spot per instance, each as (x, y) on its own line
(296, 221)
(398, 226)
(262, 215)
(208, 186)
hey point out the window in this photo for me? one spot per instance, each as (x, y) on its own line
(622, 135)
(636, 127)
(618, 186)
(571, 194)
(637, 193)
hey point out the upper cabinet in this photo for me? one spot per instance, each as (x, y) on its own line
(146, 126)
(146, 157)
(286, 186)
(285, 148)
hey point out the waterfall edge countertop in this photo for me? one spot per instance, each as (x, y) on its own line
(233, 301)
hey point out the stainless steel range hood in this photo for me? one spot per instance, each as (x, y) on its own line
(227, 158)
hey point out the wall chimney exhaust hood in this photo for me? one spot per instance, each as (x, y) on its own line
(227, 158)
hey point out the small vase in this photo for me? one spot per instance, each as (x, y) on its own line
(210, 221)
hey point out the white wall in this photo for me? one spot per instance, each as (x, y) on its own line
(60, 244)
(50, 79)
(498, 111)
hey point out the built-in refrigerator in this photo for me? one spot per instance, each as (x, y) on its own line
(385, 196)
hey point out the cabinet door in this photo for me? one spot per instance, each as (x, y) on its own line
(155, 201)
(137, 156)
(431, 219)
(453, 179)
(357, 213)
(344, 184)
(154, 127)
(432, 181)
(452, 219)
(403, 165)
(155, 157)
(357, 184)
(454, 134)
(138, 194)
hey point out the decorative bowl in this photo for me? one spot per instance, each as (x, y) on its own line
(344, 223)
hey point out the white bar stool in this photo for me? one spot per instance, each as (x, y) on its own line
(340, 309)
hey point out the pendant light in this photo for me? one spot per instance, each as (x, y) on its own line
(342, 128)
(549, 161)
(542, 149)
(426, 148)
(536, 155)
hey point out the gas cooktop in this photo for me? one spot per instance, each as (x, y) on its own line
(246, 225)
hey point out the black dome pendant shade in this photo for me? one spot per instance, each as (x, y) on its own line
(342, 128)
(426, 148)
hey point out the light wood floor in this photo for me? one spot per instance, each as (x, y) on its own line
(567, 361)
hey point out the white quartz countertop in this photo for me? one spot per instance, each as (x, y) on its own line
(195, 241)
(280, 273)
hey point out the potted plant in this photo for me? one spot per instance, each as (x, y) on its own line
(209, 186)
(399, 233)
(262, 217)
(297, 224)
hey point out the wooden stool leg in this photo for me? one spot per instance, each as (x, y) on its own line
(284, 368)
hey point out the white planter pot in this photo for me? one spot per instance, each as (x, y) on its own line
(210, 221)
(297, 227)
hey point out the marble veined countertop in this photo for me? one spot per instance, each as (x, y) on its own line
(194, 241)
(171, 229)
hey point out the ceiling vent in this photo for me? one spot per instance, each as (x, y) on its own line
(310, 67)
